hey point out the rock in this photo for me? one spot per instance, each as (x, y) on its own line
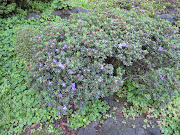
(141, 131)
(35, 15)
(62, 13)
(169, 17)
(118, 127)
(89, 130)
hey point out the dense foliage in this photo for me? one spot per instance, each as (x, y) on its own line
(6, 7)
(86, 57)
(61, 4)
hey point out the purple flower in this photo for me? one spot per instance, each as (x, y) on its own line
(99, 80)
(60, 95)
(61, 66)
(55, 61)
(58, 114)
(77, 75)
(161, 49)
(40, 65)
(64, 108)
(178, 46)
(50, 83)
(64, 84)
(65, 46)
(72, 84)
(102, 67)
(62, 52)
(112, 20)
(79, 28)
(116, 81)
(71, 72)
(102, 3)
(142, 10)
(121, 45)
(137, 43)
(57, 50)
(54, 40)
(73, 88)
(162, 78)
(175, 31)
(67, 60)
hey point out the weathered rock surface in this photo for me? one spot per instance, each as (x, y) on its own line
(171, 18)
(123, 126)
(89, 130)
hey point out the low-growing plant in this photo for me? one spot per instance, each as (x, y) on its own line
(61, 4)
(167, 115)
(92, 111)
(6, 7)
(25, 42)
(87, 57)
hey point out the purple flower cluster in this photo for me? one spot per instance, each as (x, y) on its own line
(73, 86)
(58, 114)
(61, 66)
(116, 81)
(63, 84)
(65, 46)
(102, 67)
(50, 83)
(99, 80)
(161, 49)
(71, 72)
(112, 20)
(121, 45)
(55, 61)
(60, 95)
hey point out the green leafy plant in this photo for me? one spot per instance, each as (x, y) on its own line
(61, 4)
(25, 49)
(92, 111)
(6, 7)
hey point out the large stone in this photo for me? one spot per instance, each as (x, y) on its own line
(35, 15)
(89, 130)
(171, 18)
(123, 126)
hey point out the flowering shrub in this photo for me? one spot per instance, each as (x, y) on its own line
(89, 56)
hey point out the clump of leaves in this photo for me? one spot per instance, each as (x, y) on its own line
(92, 111)
(25, 42)
(6, 7)
(61, 4)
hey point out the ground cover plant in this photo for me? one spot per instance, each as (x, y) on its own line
(74, 61)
